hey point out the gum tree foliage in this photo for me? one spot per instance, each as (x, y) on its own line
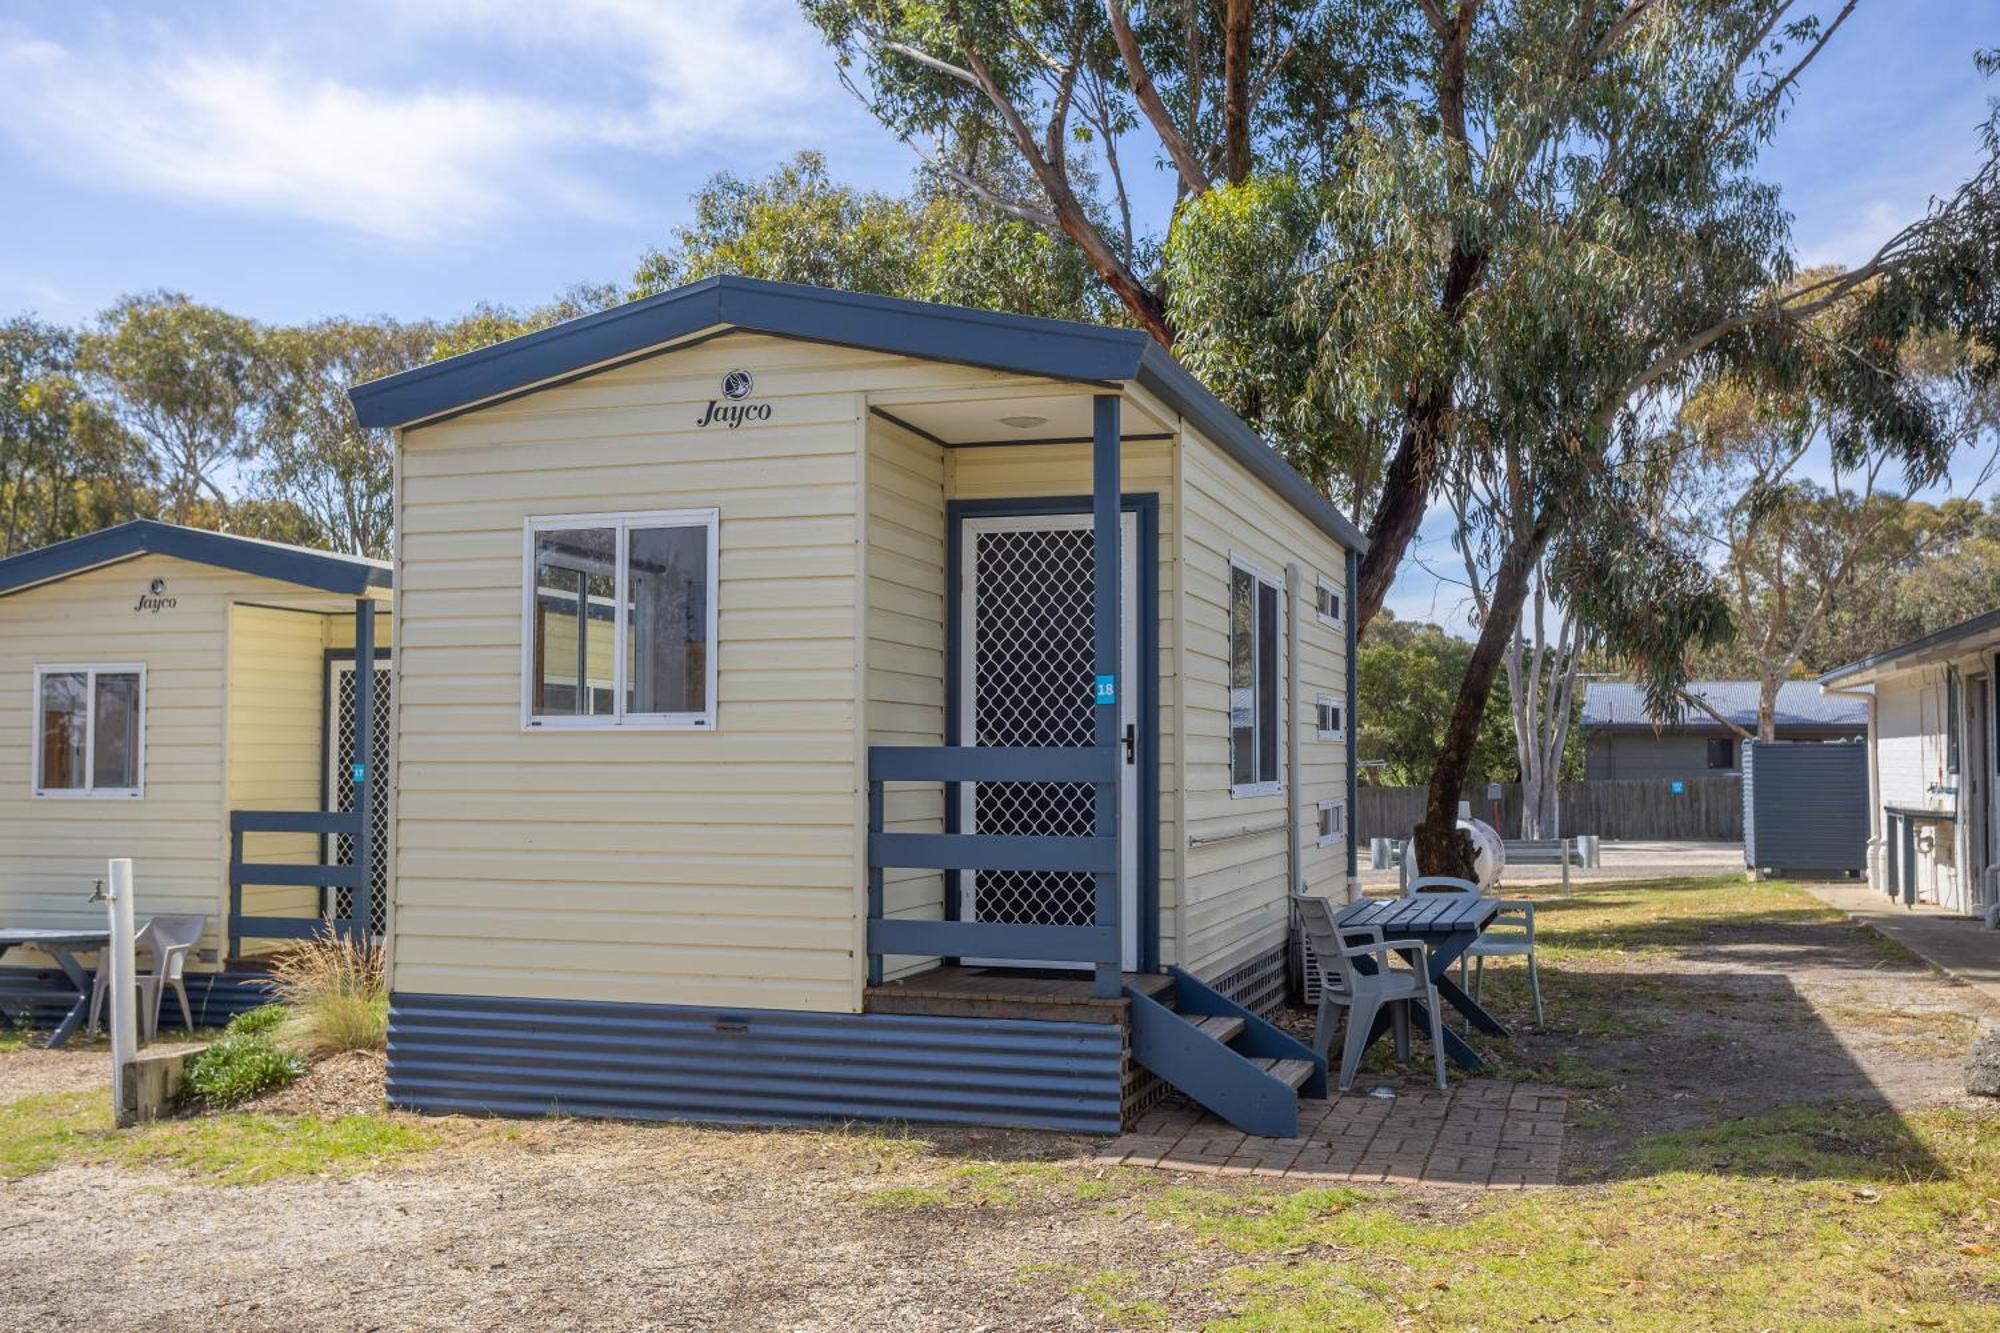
(1600, 179)
(1792, 553)
(1042, 110)
(798, 225)
(65, 466)
(184, 379)
(314, 459)
(1406, 677)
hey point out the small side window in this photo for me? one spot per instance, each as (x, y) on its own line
(1331, 721)
(1327, 603)
(1722, 752)
(1332, 821)
(1254, 641)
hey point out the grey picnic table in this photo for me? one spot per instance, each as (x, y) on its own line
(63, 946)
(1446, 924)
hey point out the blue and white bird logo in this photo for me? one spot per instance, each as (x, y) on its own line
(736, 384)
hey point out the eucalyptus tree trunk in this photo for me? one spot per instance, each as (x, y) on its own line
(1440, 848)
(1541, 683)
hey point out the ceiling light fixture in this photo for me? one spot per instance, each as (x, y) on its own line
(1024, 423)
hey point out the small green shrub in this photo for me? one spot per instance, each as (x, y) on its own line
(263, 1019)
(336, 993)
(239, 1067)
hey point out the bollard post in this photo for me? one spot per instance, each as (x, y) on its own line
(123, 983)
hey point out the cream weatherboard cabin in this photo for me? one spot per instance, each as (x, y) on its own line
(1932, 766)
(814, 705)
(188, 699)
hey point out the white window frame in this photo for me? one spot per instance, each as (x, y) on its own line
(1276, 785)
(1339, 733)
(1337, 806)
(1338, 618)
(621, 524)
(89, 791)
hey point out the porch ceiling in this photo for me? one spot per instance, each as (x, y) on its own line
(1061, 416)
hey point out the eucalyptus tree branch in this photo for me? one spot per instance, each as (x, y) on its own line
(1192, 176)
(1690, 697)
(1616, 33)
(1770, 96)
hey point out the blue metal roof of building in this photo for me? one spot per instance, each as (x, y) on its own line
(322, 570)
(1621, 705)
(1022, 344)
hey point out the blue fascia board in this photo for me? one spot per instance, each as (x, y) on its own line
(1019, 344)
(320, 570)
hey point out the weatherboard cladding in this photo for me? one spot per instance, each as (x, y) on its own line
(490, 1055)
(1805, 806)
(1021, 344)
(296, 565)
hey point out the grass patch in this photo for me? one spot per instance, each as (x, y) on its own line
(1822, 1219)
(336, 993)
(38, 1133)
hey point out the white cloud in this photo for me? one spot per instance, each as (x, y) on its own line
(416, 123)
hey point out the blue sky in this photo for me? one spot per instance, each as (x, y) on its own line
(415, 157)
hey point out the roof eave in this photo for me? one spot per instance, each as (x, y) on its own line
(317, 570)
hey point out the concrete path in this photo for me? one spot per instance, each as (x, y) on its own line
(1622, 860)
(1956, 945)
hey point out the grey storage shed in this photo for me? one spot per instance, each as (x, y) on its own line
(1805, 807)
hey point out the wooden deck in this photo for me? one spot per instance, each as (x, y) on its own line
(952, 991)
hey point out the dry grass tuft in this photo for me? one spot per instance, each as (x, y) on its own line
(337, 994)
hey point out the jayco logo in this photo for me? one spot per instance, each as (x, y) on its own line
(736, 386)
(155, 598)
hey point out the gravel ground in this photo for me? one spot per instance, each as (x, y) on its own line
(568, 1224)
(77, 1066)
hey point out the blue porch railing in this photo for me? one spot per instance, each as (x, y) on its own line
(328, 824)
(1096, 944)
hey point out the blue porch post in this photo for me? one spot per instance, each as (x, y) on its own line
(1106, 582)
(361, 906)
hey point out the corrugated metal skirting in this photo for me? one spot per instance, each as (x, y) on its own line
(490, 1055)
(1805, 806)
(45, 995)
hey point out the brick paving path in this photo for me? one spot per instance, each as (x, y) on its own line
(1482, 1133)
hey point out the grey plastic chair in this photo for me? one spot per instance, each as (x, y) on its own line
(1365, 994)
(1511, 934)
(169, 939)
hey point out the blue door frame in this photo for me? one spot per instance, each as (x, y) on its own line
(1146, 505)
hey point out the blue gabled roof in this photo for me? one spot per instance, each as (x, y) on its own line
(1021, 344)
(300, 565)
(1621, 705)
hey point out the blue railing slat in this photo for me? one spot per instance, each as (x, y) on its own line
(986, 851)
(339, 822)
(989, 939)
(989, 763)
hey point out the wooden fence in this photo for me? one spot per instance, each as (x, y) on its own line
(1706, 809)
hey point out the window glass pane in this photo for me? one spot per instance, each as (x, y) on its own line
(575, 594)
(1242, 677)
(62, 729)
(114, 759)
(1267, 683)
(666, 659)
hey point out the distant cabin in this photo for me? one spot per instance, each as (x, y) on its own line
(1620, 740)
(166, 687)
(1932, 759)
(815, 705)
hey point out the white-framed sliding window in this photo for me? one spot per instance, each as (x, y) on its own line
(1328, 602)
(618, 620)
(90, 731)
(1330, 719)
(1332, 821)
(1256, 636)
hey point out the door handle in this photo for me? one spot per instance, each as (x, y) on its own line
(1131, 742)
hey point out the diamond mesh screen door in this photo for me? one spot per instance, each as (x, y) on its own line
(1026, 667)
(340, 786)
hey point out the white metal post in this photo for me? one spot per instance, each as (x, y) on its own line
(123, 982)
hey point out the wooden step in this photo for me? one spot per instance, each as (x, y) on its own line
(1291, 1073)
(1222, 1027)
